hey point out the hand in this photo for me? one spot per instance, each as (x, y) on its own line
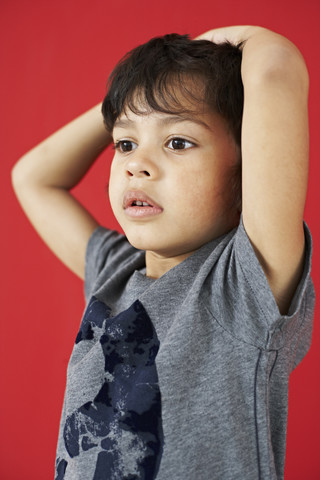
(234, 34)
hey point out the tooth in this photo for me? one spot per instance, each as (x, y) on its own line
(145, 204)
(138, 203)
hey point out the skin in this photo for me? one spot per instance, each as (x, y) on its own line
(274, 172)
(190, 183)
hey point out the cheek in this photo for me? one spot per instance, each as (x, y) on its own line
(199, 187)
(195, 203)
(203, 196)
(113, 189)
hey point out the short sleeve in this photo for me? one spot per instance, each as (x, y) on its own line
(102, 244)
(246, 307)
(107, 254)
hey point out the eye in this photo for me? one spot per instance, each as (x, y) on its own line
(125, 146)
(179, 144)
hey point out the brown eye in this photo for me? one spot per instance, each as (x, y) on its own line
(125, 146)
(179, 144)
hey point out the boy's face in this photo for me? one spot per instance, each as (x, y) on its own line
(170, 180)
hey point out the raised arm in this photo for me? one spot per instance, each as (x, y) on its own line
(274, 152)
(43, 178)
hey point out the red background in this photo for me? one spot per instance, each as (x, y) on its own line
(55, 59)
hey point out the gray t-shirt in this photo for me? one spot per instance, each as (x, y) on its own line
(184, 377)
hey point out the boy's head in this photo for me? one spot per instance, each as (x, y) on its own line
(160, 72)
(174, 107)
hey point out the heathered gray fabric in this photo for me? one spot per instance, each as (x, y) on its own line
(224, 359)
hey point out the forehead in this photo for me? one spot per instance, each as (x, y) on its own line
(174, 103)
(171, 95)
(203, 119)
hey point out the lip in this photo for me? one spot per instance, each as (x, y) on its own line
(140, 211)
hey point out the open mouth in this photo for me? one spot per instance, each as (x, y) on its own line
(135, 198)
(138, 204)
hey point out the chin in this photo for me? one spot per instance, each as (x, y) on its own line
(140, 243)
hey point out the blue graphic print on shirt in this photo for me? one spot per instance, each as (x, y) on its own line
(123, 421)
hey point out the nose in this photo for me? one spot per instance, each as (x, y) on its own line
(142, 166)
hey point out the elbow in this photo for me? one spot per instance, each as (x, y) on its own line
(17, 176)
(278, 64)
(22, 176)
(288, 65)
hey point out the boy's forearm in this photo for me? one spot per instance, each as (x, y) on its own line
(43, 177)
(268, 56)
(265, 53)
(63, 158)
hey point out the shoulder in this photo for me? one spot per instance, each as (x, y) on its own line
(108, 254)
(239, 297)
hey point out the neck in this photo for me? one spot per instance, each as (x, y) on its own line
(157, 265)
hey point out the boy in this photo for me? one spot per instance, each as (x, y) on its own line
(180, 368)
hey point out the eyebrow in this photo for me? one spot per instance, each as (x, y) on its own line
(126, 122)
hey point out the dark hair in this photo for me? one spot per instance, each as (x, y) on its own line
(155, 74)
(151, 73)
